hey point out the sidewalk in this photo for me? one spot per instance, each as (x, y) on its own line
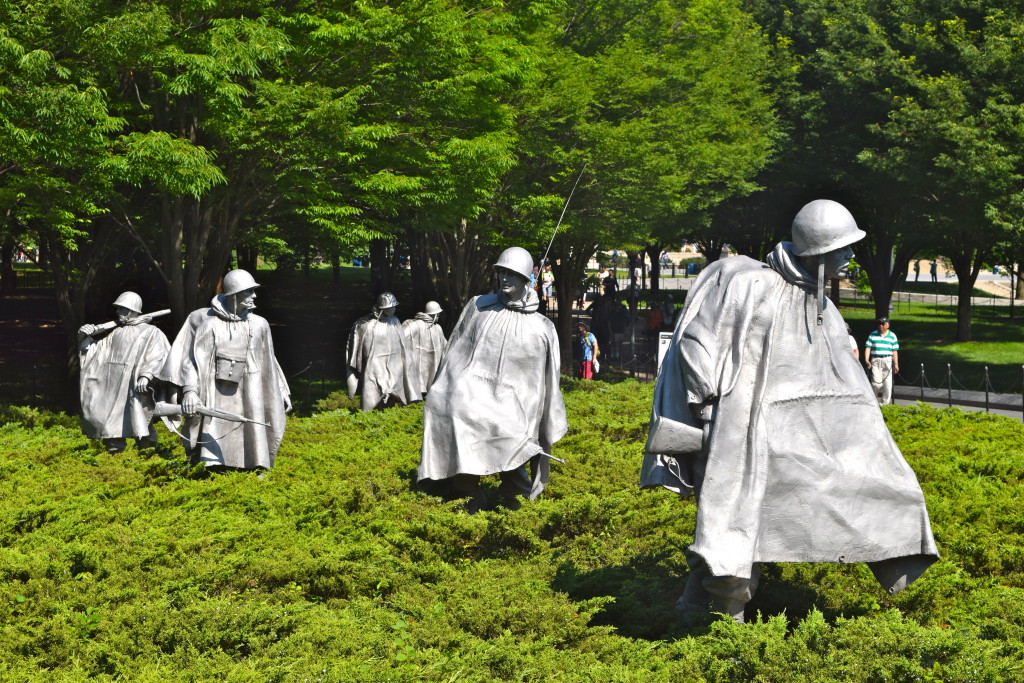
(1011, 405)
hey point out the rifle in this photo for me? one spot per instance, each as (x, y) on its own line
(162, 409)
(145, 318)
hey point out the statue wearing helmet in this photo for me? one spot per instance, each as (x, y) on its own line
(761, 411)
(495, 404)
(426, 341)
(117, 362)
(223, 359)
(379, 363)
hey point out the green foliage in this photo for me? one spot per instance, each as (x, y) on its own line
(332, 566)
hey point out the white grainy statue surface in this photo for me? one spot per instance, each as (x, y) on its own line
(116, 368)
(223, 358)
(495, 404)
(379, 363)
(426, 342)
(762, 412)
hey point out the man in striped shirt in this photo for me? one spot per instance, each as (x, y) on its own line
(882, 359)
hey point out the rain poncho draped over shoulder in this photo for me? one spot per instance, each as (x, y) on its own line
(212, 335)
(377, 351)
(495, 402)
(110, 367)
(796, 463)
(426, 342)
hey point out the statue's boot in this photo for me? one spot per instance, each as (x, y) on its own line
(731, 607)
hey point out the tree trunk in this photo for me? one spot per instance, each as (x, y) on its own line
(568, 265)
(967, 266)
(711, 248)
(172, 239)
(248, 258)
(450, 267)
(654, 252)
(380, 271)
(8, 276)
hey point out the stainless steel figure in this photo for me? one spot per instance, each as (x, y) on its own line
(763, 413)
(426, 343)
(223, 359)
(115, 373)
(495, 404)
(379, 364)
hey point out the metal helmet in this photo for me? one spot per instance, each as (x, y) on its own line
(385, 300)
(130, 300)
(823, 226)
(516, 259)
(432, 308)
(238, 281)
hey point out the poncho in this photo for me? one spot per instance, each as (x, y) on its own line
(495, 402)
(211, 336)
(796, 464)
(110, 368)
(426, 342)
(377, 351)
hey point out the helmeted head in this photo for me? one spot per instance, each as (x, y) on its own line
(432, 308)
(517, 260)
(823, 226)
(129, 300)
(237, 281)
(385, 305)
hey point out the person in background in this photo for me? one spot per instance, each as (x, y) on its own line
(882, 359)
(588, 350)
(547, 284)
(853, 342)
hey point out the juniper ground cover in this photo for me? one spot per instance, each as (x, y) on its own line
(333, 567)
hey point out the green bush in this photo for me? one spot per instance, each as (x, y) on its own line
(335, 567)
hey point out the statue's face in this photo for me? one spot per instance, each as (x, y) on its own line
(511, 284)
(386, 312)
(124, 314)
(246, 299)
(837, 261)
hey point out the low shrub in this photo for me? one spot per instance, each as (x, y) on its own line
(334, 566)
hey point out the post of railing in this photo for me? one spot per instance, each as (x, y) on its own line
(949, 383)
(986, 388)
(922, 381)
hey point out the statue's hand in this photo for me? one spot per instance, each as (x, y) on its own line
(352, 382)
(142, 385)
(190, 403)
(87, 330)
(287, 404)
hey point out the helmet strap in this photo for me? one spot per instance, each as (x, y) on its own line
(821, 288)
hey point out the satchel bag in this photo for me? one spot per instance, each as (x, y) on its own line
(230, 367)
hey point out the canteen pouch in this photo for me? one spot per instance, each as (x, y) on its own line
(230, 366)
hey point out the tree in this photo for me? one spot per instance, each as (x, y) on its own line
(658, 104)
(954, 138)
